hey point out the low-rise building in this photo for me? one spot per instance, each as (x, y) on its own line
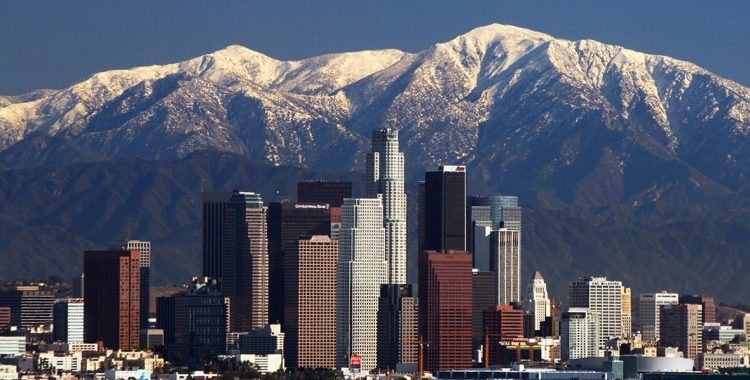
(8, 372)
(12, 345)
(720, 360)
(118, 374)
(265, 363)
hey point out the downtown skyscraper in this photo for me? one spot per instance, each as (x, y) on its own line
(385, 176)
(361, 269)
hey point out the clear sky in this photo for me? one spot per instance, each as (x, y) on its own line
(51, 44)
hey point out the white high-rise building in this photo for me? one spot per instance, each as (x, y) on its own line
(385, 176)
(505, 259)
(537, 300)
(603, 297)
(649, 305)
(362, 268)
(579, 334)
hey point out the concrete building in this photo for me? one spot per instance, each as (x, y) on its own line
(310, 308)
(579, 334)
(603, 297)
(12, 345)
(385, 176)
(714, 333)
(144, 247)
(265, 363)
(627, 312)
(650, 304)
(445, 308)
(68, 320)
(362, 268)
(397, 327)
(707, 303)
(537, 300)
(8, 372)
(716, 361)
(30, 305)
(505, 260)
(287, 222)
(112, 304)
(245, 265)
(682, 326)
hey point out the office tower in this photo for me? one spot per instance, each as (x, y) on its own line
(200, 322)
(537, 300)
(362, 268)
(445, 307)
(328, 192)
(113, 298)
(445, 209)
(287, 222)
(30, 306)
(144, 247)
(649, 306)
(165, 318)
(501, 323)
(4, 318)
(681, 326)
(421, 215)
(397, 327)
(385, 176)
(505, 260)
(478, 237)
(483, 296)
(579, 334)
(603, 297)
(709, 307)
(310, 303)
(68, 320)
(214, 215)
(245, 261)
(627, 313)
(77, 283)
(504, 210)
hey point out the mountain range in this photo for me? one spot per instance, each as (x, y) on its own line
(631, 165)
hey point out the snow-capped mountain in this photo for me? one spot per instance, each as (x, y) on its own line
(527, 111)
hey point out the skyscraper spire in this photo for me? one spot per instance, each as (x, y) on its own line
(385, 175)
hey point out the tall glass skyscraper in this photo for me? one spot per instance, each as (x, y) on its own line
(385, 176)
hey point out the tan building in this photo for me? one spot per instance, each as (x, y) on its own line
(310, 307)
(627, 312)
(682, 326)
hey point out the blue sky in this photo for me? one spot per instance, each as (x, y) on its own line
(51, 44)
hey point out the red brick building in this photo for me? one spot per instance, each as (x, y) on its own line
(112, 308)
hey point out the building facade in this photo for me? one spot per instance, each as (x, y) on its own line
(385, 176)
(397, 326)
(579, 334)
(200, 322)
(113, 298)
(445, 209)
(537, 300)
(245, 266)
(68, 320)
(332, 193)
(505, 260)
(484, 296)
(144, 247)
(214, 214)
(627, 312)
(681, 326)
(287, 222)
(603, 297)
(30, 305)
(502, 323)
(649, 306)
(362, 269)
(445, 309)
(310, 303)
